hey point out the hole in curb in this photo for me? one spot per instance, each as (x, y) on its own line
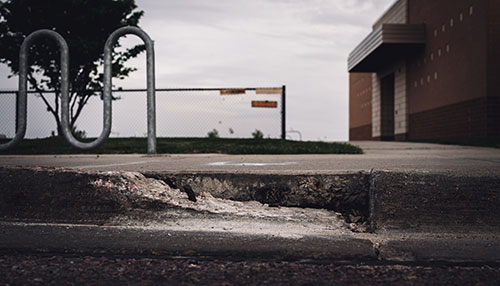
(347, 195)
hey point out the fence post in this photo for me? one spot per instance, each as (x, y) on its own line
(17, 108)
(283, 113)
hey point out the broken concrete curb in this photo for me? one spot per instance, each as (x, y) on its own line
(65, 195)
(411, 201)
(126, 212)
(343, 193)
(71, 196)
(422, 201)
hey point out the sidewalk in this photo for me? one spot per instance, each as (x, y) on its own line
(390, 156)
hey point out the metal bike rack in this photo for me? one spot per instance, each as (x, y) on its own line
(151, 105)
(21, 110)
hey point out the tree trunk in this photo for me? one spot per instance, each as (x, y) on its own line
(59, 128)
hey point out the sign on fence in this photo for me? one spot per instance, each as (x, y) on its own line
(232, 91)
(277, 90)
(265, 104)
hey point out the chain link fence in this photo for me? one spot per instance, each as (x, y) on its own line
(231, 113)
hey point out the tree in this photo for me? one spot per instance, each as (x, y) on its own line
(257, 134)
(214, 134)
(85, 25)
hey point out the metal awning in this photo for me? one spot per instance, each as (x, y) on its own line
(385, 45)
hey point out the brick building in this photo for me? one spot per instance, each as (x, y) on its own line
(429, 69)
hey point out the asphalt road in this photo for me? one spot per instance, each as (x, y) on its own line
(70, 269)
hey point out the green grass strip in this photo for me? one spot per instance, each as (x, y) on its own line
(57, 145)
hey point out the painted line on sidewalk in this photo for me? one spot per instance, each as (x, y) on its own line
(251, 164)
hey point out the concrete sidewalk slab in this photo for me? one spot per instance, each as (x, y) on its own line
(391, 156)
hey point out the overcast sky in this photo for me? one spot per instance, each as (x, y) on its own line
(302, 44)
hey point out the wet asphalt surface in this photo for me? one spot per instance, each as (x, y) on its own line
(77, 269)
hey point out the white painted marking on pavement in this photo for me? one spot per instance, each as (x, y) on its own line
(251, 164)
(112, 165)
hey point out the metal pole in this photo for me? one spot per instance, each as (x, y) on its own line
(65, 120)
(283, 113)
(151, 98)
(151, 89)
(17, 108)
(107, 84)
(21, 99)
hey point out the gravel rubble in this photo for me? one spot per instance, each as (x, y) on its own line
(57, 269)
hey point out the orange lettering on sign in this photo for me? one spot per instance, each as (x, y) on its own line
(265, 104)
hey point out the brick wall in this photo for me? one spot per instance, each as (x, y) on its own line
(452, 67)
(376, 116)
(465, 119)
(493, 110)
(360, 133)
(494, 49)
(452, 87)
(360, 109)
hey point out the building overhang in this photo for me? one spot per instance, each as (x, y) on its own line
(386, 45)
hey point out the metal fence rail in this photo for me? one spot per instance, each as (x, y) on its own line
(180, 112)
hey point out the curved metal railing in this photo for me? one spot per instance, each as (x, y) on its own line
(21, 108)
(107, 82)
